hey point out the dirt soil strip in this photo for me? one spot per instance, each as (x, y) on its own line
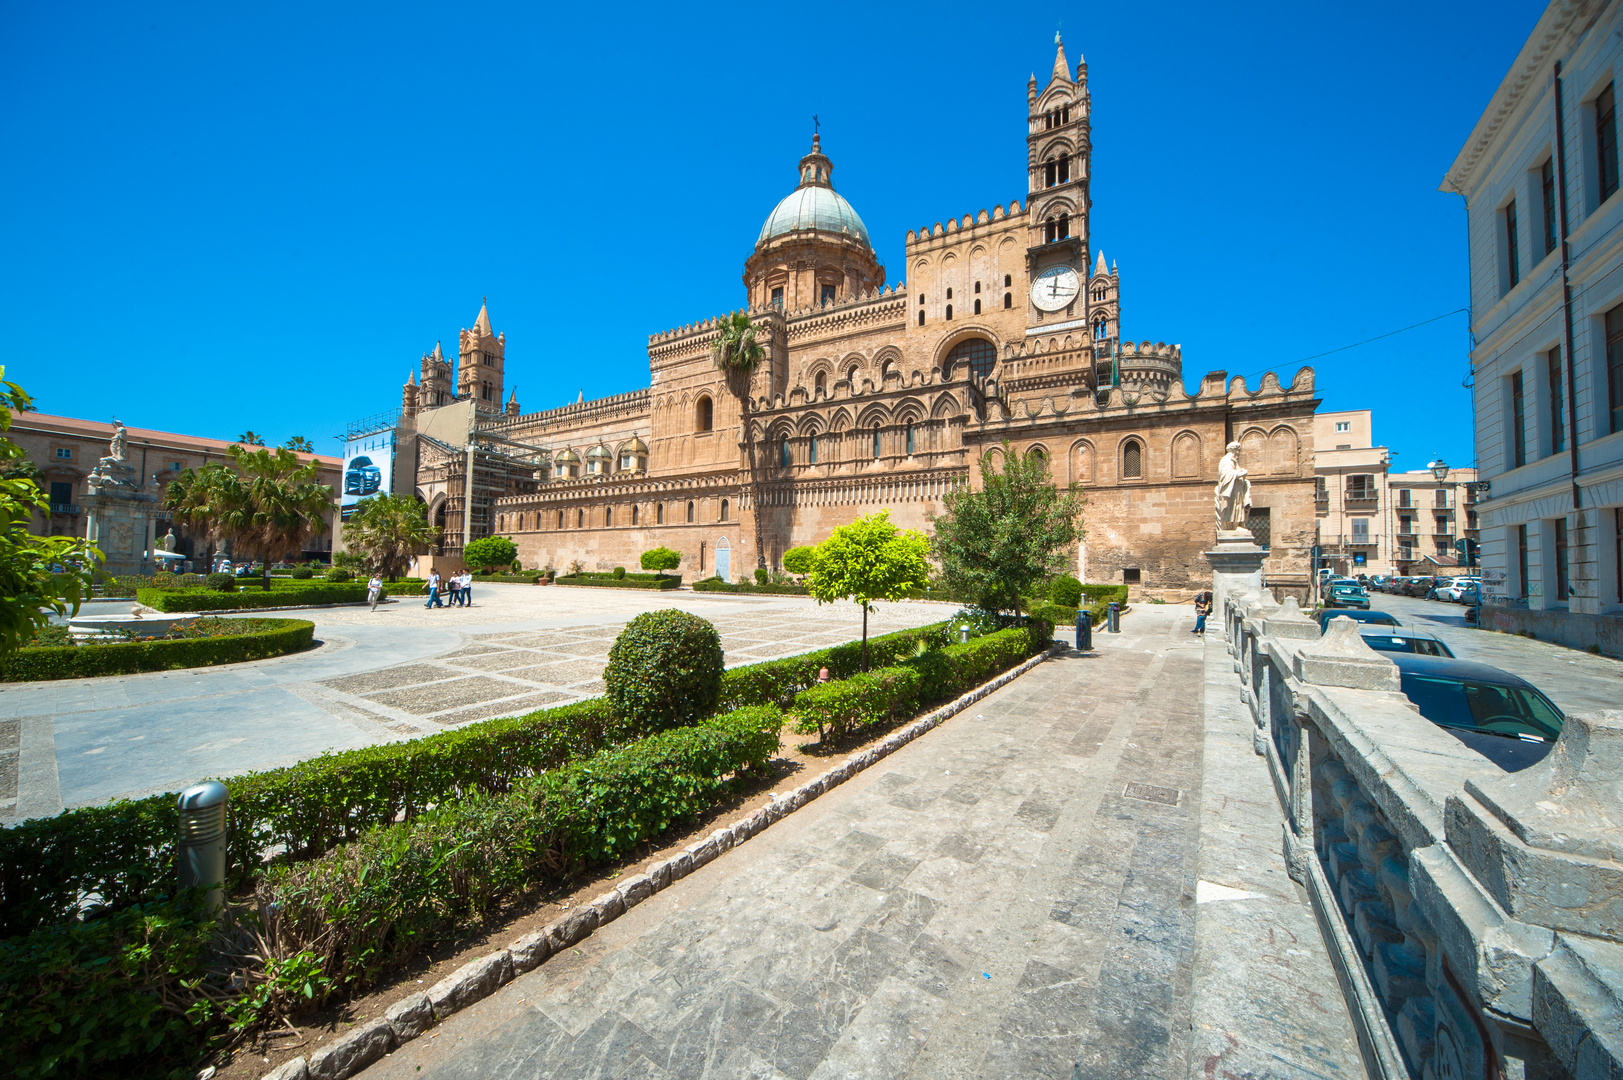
(347, 1037)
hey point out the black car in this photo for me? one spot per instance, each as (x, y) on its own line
(1359, 615)
(1499, 715)
(1403, 639)
(362, 477)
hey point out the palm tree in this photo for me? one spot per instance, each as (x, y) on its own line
(299, 444)
(387, 530)
(251, 438)
(271, 504)
(737, 354)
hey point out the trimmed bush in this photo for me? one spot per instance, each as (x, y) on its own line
(221, 582)
(339, 574)
(661, 558)
(302, 573)
(42, 663)
(761, 576)
(630, 581)
(1066, 591)
(776, 682)
(798, 560)
(529, 577)
(1097, 594)
(292, 595)
(406, 587)
(834, 708)
(619, 573)
(489, 551)
(664, 671)
(373, 904)
(718, 585)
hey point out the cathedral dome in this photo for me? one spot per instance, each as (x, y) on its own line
(814, 204)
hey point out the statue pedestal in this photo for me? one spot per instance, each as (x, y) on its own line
(1236, 569)
(121, 517)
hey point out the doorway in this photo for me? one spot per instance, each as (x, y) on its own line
(724, 559)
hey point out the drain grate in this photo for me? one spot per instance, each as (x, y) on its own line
(1150, 793)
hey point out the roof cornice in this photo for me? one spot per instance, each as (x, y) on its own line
(1561, 22)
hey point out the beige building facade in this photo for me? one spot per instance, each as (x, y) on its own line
(66, 450)
(1351, 501)
(876, 395)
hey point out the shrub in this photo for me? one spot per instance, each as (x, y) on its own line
(664, 671)
(798, 560)
(221, 582)
(619, 573)
(776, 682)
(302, 573)
(661, 558)
(834, 708)
(718, 585)
(41, 663)
(489, 551)
(630, 581)
(340, 575)
(760, 575)
(294, 595)
(1105, 593)
(1065, 591)
(1054, 615)
(374, 903)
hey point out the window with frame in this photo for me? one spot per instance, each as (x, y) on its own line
(1321, 490)
(821, 384)
(777, 298)
(580, 519)
(1439, 497)
(704, 414)
(1361, 486)
(1406, 525)
(659, 514)
(1130, 575)
(1558, 419)
(783, 452)
(690, 513)
(1561, 582)
(828, 295)
(1513, 261)
(1442, 526)
(1132, 460)
(64, 453)
(909, 440)
(1546, 183)
(811, 450)
(876, 441)
(1343, 425)
(1606, 142)
(1008, 300)
(978, 353)
(1614, 366)
(1360, 530)
(724, 509)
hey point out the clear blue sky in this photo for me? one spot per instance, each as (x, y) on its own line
(219, 217)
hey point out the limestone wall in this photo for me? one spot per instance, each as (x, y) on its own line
(1475, 913)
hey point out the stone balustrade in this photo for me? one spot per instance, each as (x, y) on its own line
(1475, 915)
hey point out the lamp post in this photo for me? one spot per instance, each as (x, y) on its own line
(1439, 469)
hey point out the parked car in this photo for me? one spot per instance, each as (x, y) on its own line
(1347, 594)
(1454, 592)
(1417, 587)
(1499, 715)
(1330, 583)
(1403, 639)
(1364, 617)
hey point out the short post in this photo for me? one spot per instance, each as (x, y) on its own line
(1084, 630)
(963, 633)
(1113, 618)
(200, 851)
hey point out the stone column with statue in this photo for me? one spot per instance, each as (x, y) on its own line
(120, 512)
(1236, 560)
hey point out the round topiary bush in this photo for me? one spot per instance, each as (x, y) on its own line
(619, 572)
(221, 582)
(340, 575)
(760, 575)
(303, 573)
(664, 671)
(1065, 591)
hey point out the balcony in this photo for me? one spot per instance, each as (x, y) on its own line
(65, 509)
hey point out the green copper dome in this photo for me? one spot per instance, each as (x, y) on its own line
(814, 204)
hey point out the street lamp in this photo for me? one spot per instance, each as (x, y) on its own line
(1439, 469)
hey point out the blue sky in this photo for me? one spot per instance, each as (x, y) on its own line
(219, 217)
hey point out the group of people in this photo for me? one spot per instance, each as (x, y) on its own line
(458, 589)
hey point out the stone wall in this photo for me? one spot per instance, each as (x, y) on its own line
(1475, 914)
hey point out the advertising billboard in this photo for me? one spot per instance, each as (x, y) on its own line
(368, 468)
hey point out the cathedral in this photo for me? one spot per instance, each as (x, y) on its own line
(879, 395)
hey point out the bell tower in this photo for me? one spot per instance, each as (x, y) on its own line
(1058, 153)
(482, 355)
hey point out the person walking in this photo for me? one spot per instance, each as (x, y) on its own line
(433, 589)
(1203, 607)
(374, 590)
(467, 588)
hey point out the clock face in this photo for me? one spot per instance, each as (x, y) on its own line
(1055, 288)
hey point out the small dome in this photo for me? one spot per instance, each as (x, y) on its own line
(598, 453)
(814, 204)
(567, 457)
(636, 446)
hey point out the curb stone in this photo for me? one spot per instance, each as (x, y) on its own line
(478, 979)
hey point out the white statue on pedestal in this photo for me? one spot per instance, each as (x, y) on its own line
(1233, 500)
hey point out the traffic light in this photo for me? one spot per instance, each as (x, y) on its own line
(1468, 550)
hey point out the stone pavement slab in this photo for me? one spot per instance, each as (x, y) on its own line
(1011, 895)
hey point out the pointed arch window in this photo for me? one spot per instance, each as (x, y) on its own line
(977, 305)
(1008, 300)
(783, 452)
(1132, 460)
(1050, 172)
(1050, 230)
(1065, 226)
(1065, 168)
(704, 414)
(978, 353)
(560, 519)
(949, 311)
(580, 519)
(690, 513)
(909, 440)
(608, 516)
(876, 441)
(811, 450)
(634, 515)
(821, 384)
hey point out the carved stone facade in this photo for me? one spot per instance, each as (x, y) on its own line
(875, 396)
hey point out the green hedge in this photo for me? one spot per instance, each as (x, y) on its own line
(1103, 594)
(373, 904)
(718, 585)
(834, 708)
(296, 594)
(124, 658)
(630, 581)
(528, 578)
(406, 587)
(776, 682)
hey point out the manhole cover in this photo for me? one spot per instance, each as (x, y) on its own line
(1150, 793)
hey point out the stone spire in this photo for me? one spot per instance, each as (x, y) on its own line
(1100, 267)
(482, 323)
(1062, 69)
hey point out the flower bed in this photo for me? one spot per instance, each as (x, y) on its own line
(253, 639)
(293, 594)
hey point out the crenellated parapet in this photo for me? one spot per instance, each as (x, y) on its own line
(925, 237)
(633, 403)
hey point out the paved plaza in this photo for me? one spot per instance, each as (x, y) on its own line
(1013, 895)
(399, 672)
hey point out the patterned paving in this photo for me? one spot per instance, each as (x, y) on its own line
(499, 674)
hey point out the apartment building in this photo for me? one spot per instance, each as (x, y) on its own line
(1540, 178)
(1431, 511)
(1351, 503)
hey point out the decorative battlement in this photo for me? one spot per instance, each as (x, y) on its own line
(579, 412)
(923, 236)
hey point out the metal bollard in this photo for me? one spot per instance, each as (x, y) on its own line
(1084, 630)
(963, 634)
(1113, 618)
(200, 852)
